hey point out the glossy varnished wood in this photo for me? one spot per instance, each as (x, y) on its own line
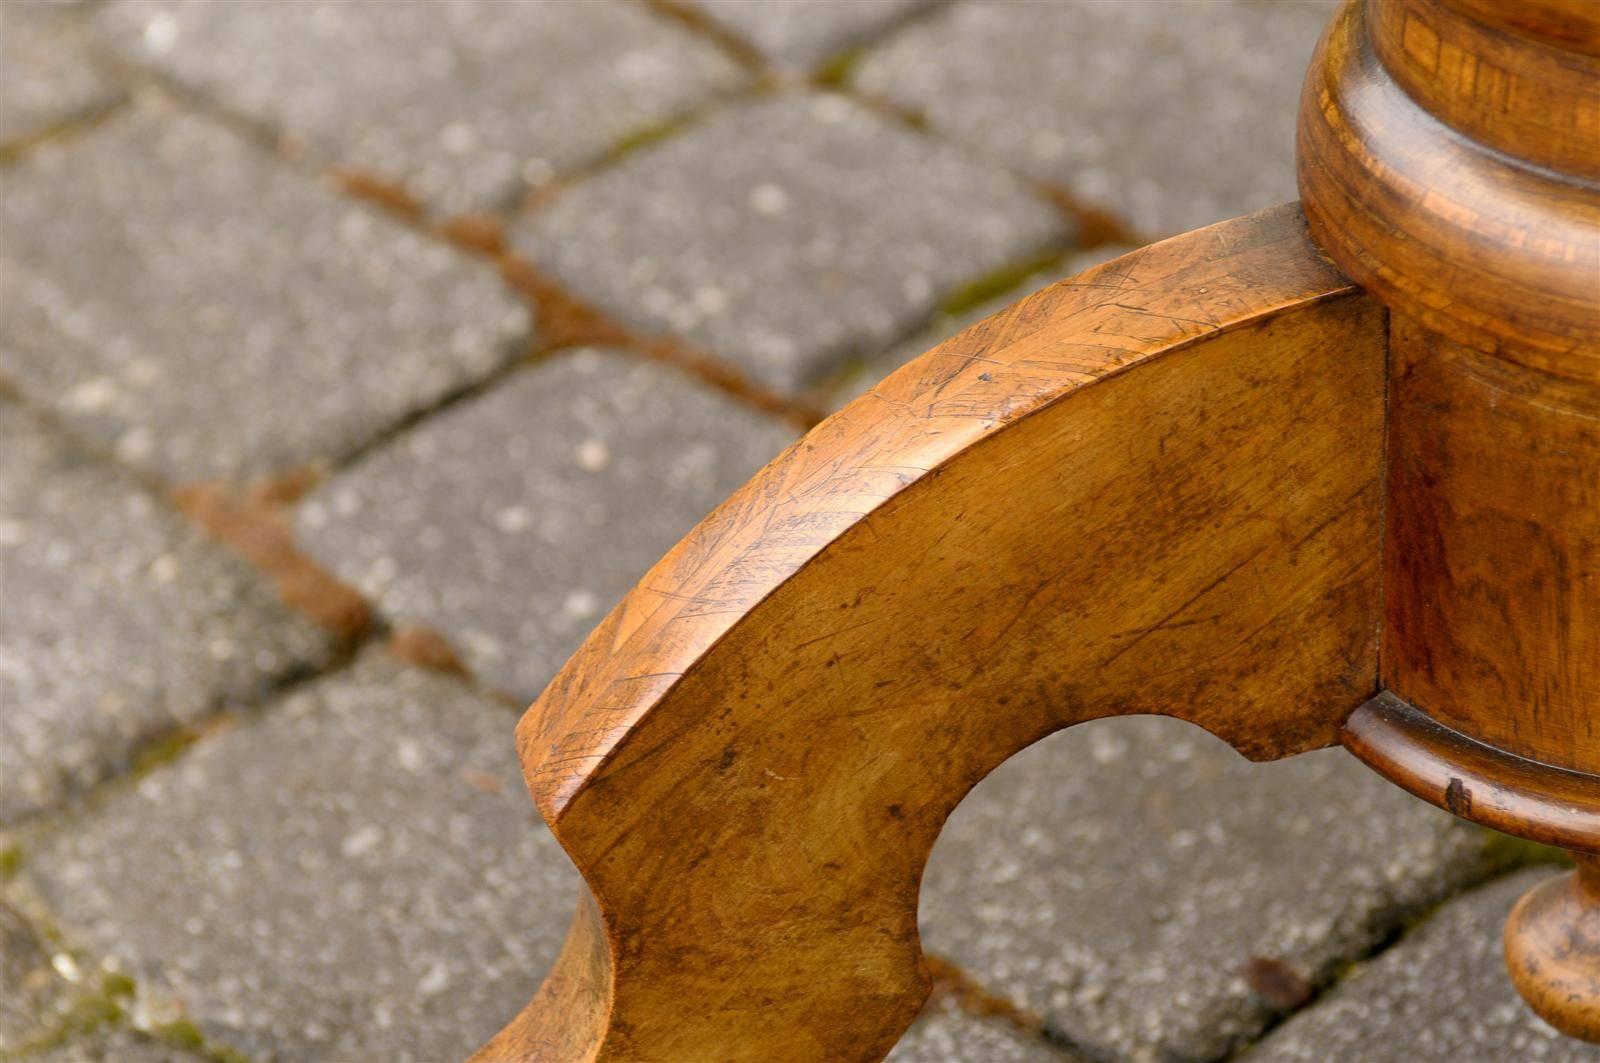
(1552, 945)
(1532, 100)
(1570, 24)
(1474, 780)
(1448, 154)
(1497, 252)
(1153, 488)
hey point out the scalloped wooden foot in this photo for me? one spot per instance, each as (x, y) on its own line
(1153, 488)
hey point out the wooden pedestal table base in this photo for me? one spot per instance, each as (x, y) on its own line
(1153, 488)
(1291, 492)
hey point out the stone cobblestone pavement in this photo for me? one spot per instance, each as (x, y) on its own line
(233, 259)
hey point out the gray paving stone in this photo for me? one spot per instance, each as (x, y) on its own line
(467, 102)
(118, 623)
(1117, 878)
(804, 33)
(948, 323)
(1439, 995)
(1171, 114)
(787, 234)
(44, 80)
(357, 874)
(944, 1033)
(184, 298)
(512, 523)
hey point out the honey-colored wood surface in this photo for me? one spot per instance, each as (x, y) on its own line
(1552, 945)
(1446, 224)
(1492, 548)
(1532, 100)
(1473, 780)
(1153, 488)
(1570, 24)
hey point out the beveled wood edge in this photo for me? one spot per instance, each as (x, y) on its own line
(565, 737)
(1546, 804)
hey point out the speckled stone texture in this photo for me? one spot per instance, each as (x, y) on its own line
(118, 621)
(800, 34)
(512, 523)
(44, 80)
(1439, 995)
(466, 102)
(1172, 114)
(1117, 878)
(357, 874)
(944, 1033)
(788, 234)
(185, 299)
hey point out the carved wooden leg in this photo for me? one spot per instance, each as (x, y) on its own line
(1154, 488)
(1553, 948)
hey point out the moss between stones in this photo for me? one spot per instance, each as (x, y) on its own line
(1506, 852)
(992, 285)
(89, 1012)
(97, 1010)
(836, 73)
(646, 135)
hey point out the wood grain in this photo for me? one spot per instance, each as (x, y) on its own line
(1497, 252)
(1492, 549)
(1448, 156)
(1570, 24)
(1154, 488)
(1532, 100)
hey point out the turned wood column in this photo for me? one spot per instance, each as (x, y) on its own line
(1449, 161)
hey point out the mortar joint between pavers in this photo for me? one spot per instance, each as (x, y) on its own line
(68, 128)
(952, 982)
(1503, 855)
(704, 25)
(562, 320)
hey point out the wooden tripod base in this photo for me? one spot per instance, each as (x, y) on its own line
(1154, 488)
(1295, 478)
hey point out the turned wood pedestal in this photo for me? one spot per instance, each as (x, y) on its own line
(1326, 474)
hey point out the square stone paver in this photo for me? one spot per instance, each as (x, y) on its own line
(358, 873)
(44, 80)
(205, 310)
(787, 234)
(803, 33)
(1171, 114)
(1120, 879)
(1439, 995)
(118, 622)
(467, 102)
(513, 522)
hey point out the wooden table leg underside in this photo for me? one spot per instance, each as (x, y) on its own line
(1153, 488)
